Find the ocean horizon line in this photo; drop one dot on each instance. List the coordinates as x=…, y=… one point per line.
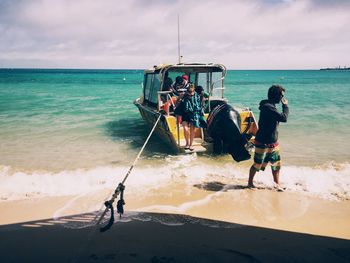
x=142, y=69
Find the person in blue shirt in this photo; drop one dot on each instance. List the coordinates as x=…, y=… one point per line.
x=192, y=115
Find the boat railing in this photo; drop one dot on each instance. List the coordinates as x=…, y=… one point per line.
x=220, y=88
x=165, y=100
x=165, y=106
x=212, y=95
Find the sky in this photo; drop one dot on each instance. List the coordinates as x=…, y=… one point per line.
x=241, y=34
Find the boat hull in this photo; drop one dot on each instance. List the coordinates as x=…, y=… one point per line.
x=159, y=94
x=171, y=132
x=163, y=129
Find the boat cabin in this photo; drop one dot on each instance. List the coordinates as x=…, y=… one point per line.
x=157, y=81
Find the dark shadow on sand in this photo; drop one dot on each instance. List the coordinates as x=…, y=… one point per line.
x=218, y=186
x=211, y=186
x=151, y=237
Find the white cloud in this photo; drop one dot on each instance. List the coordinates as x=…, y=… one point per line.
x=253, y=34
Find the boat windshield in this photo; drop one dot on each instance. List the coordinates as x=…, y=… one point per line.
x=212, y=82
x=158, y=83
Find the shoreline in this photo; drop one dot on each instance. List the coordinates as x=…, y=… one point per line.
x=286, y=211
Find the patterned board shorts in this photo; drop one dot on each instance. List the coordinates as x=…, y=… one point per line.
x=267, y=153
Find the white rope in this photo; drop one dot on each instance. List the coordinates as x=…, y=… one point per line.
x=128, y=173
x=143, y=147
x=93, y=231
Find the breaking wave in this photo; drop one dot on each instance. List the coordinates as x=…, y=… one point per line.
x=330, y=181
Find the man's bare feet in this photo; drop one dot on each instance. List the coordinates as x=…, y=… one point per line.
x=251, y=186
x=278, y=188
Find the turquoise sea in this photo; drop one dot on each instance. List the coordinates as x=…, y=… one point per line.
x=68, y=131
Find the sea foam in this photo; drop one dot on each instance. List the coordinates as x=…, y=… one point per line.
x=330, y=181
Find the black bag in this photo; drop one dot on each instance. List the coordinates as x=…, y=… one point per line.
x=179, y=110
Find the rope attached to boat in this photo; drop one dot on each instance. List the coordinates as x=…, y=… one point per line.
x=120, y=189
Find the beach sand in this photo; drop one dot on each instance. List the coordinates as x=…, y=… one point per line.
x=211, y=222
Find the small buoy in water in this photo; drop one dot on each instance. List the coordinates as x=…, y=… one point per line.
x=124, y=79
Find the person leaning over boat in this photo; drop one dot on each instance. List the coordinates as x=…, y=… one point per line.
x=177, y=90
x=192, y=116
x=266, y=140
x=180, y=83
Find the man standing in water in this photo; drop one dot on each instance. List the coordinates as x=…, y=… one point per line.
x=266, y=140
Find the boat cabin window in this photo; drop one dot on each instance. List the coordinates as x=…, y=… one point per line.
x=206, y=79
x=152, y=86
x=203, y=80
x=218, y=85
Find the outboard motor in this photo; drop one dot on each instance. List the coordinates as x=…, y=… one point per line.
x=224, y=124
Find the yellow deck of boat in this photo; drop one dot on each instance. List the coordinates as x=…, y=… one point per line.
x=178, y=133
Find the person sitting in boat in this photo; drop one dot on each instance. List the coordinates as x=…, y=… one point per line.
x=167, y=82
x=192, y=116
x=168, y=99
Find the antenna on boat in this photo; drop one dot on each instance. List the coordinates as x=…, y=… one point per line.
x=178, y=38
